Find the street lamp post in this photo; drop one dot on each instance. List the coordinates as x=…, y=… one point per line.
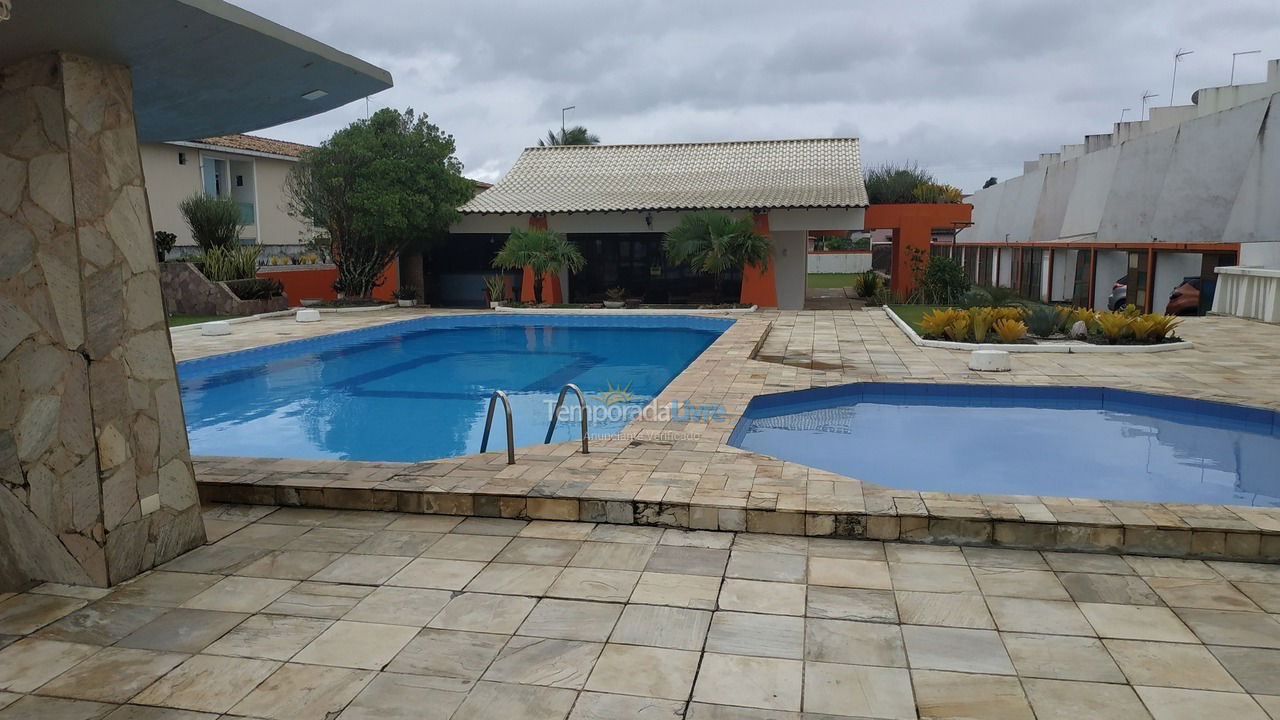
x=1177, y=57
x=1235, y=55
x=563, y=110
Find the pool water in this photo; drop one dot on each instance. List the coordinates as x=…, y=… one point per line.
x=1073, y=442
x=418, y=390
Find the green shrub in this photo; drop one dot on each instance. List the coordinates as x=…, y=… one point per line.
x=164, y=243
x=214, y=221
x=867, y=284
x=944, y=281
x=976, y=298
x=229, y=262
x=255, y=288
x=1044, y=320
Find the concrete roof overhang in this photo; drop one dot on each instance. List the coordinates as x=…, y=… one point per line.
x=200, y=67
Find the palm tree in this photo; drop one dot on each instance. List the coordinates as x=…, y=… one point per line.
x=712, y=242
x=544, y=251
x=576, y=135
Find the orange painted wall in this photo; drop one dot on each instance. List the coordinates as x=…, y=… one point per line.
x=318, y=282
x=912, y=225
x=759, y=287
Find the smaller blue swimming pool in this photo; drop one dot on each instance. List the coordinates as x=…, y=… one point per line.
x=1048, y=441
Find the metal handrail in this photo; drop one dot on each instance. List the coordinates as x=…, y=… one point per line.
x=555, y=414
x=488, y=423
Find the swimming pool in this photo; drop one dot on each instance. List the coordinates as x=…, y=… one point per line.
x=1047, y=441
x=418, y=390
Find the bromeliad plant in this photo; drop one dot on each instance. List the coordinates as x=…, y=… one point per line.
x=1010, y=331
x=958, y=330
x=1114, y=325
x=980, y=319
x=936, y=321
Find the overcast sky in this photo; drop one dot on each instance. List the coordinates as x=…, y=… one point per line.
x=967, y=89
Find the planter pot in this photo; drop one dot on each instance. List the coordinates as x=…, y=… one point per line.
x=406, y=303
x=495, y=305
x=614, y=304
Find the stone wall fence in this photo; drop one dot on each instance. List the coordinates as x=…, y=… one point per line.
x=188, y=292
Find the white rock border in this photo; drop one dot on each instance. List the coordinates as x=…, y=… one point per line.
x=624, y=311
x=1062, y=347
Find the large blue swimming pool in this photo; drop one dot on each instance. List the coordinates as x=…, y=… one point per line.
x=418, y=390
x=1047, y=441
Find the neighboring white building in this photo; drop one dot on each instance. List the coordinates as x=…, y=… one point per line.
x=1191, y=189
x=250, y=169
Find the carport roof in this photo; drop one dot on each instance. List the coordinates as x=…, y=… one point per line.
x=739, y=175
x=200, y=68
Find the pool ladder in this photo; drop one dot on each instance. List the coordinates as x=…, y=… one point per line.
x=506, y=409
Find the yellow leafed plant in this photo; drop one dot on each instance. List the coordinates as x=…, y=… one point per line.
x=1114, y=325
x=1010, y=330
x=1161, y=326
x=1008, y=313
x=958, y=330
x=935, y=322
x=1084, y=315
x=980, y=320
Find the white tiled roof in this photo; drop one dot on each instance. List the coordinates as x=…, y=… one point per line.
x=757, y=174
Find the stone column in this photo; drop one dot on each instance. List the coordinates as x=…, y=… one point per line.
x=95, y=473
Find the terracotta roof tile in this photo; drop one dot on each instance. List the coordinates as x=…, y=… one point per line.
x=256, y=144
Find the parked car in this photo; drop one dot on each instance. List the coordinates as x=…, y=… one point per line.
x=1185, y=299
x=1119, y=294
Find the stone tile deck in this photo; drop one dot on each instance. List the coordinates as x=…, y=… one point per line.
x=681, y=474
x=313, y=614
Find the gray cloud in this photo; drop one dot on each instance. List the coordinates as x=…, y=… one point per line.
x=967, y=89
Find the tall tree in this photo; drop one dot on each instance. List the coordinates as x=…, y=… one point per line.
x=712, y=242
x=576, y=135
x=374, y=188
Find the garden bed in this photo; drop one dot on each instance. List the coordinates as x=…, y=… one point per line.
x=1062, y=345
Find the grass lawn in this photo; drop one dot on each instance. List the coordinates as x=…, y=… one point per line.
x=177, y=320
x=830, y=280
x=911, y=314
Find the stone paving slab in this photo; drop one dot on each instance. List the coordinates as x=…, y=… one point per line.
x=770, y=626
x=682, y=474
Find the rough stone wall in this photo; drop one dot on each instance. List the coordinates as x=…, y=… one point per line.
x=188, y=292
x=95, y=473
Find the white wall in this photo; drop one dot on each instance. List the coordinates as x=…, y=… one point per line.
x=1063, y=275
x=1212, y=178
x=790, y=248
x=1005, y=273
x=168, y=183
x=839, y=262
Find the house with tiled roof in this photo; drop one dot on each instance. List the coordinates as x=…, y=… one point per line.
x=616, y=202
x=248, y=168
